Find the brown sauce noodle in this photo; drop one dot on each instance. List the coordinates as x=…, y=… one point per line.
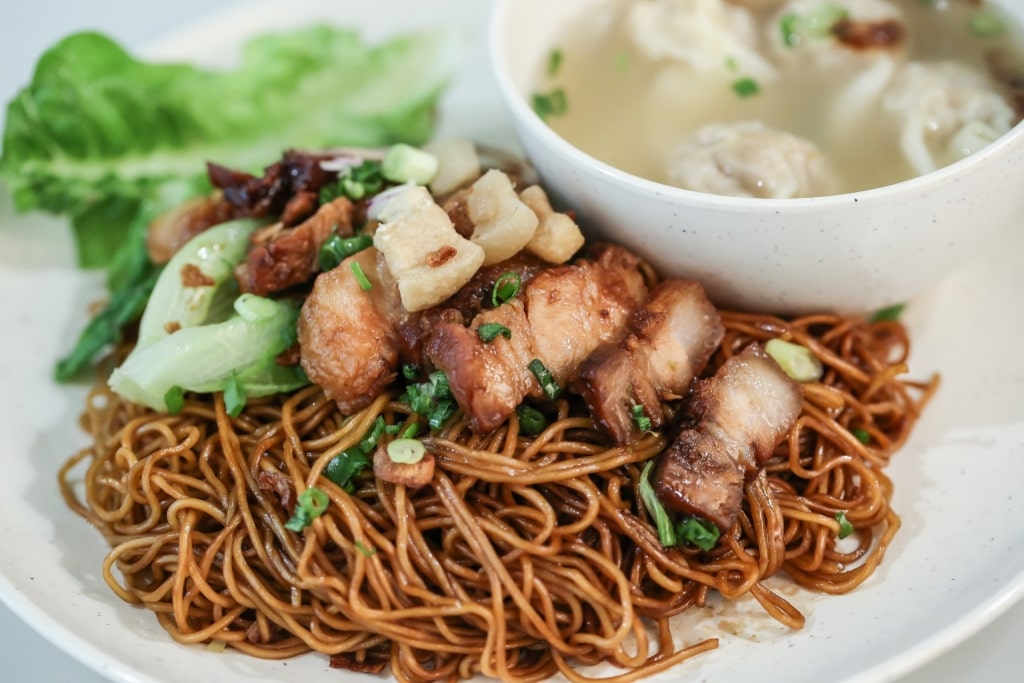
x=525, y=557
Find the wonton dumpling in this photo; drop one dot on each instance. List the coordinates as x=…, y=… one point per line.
x=748, y=159
x=709, y=36
x=804, y=30
x=946, y=111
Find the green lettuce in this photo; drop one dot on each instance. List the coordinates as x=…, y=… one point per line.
x=110, y=141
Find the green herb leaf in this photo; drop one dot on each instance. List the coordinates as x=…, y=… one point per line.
x=337, y=248
x=745, y=87
x=887, y=314
x=311, y=504
x=506, y=288
x=545, y=379
x=488, y=332
x=364, y=282
x=698, y=532
x=550, y=104
x=845, y=528
x=662, y=521
x=531, y=420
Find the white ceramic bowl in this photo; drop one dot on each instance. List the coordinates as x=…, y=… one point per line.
x=850, y=252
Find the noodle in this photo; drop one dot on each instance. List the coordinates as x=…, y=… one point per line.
x=525, y=556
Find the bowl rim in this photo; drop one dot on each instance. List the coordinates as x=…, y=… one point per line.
x=497, y=40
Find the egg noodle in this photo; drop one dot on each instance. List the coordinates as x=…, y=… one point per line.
x=525, y=557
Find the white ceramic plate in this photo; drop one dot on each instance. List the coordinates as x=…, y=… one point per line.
x=956, y=564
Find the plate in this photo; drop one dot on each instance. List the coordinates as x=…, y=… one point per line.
x=955, y=565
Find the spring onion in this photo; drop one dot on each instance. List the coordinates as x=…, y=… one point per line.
x=406, y=164
x=337, y=248
x=364, y=180
x=640, y=419
x=861, y=435
x=488, y=332
x=662, y=522
x=406, y=451
x=887, y=314
x=745, y=87
x=234, y=396
x=531, y=420
x=175, y=400
x=311, y=504
x=506, y=288
x=364, y=282
x=845, y=528
x=545, y=379
x=550, y=104
x=431, y=399
x=698, y=532
x=797, y=361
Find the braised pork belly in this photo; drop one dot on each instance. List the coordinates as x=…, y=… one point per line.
x=740, y=415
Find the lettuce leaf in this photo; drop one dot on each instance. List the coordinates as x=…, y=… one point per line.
x=111, y=142
x=96, y=132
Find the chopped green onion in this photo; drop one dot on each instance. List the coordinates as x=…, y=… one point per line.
x=506, y=288
x=745, y=87
x=431, y=399
x=815, y=24
x=488, y=332
x=364, y=551
x=796, y=361
x=862, y=435
x=545, y=379
x=234, y=396
x=662, y=522
x=531, y=420
x=845, y=528
x=406, y=164
x=352, y=461
x=410, y=372
x=411, y=431
x=698, y=532
x=174, y=399
x=406, y=451
x=355, y=183
x=640, y=419
x=986, y=25
x=550, y=104
x=555, y=58
x=887, y=314
x=337, y=248
x=311, y=504
x=364, y=282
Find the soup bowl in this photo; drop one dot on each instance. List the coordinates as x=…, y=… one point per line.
x=848, y=253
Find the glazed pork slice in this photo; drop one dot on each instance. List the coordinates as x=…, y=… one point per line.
x=741, y=414
x=283, y=257
x=566, y=313
x=347, y=335
x=669, y=343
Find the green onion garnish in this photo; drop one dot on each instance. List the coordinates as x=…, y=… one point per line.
x=986, y=25
x=174, y=399
x=364, y=551
x=745, y=87
x=431, y=399
x=862, y=435
x=337, y=248
x=357, y=182
x=545, y=379
x=531, y=420
x=488, y=332
x=550, y=104
x=410, y=372
x=311, y=504
x=506, y=288
x=364, y=282
x=662, y=522
x=698, y=532
x=555, y=58
x=234, y=396
x=797, y=361
x=640, y=419
x=406, y=451
x=887, y=314
x=845, y=528
x=352, y=461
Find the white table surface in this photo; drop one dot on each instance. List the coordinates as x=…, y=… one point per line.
x=26, y=28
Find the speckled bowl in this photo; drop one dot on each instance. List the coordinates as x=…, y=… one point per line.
x=850, y=252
